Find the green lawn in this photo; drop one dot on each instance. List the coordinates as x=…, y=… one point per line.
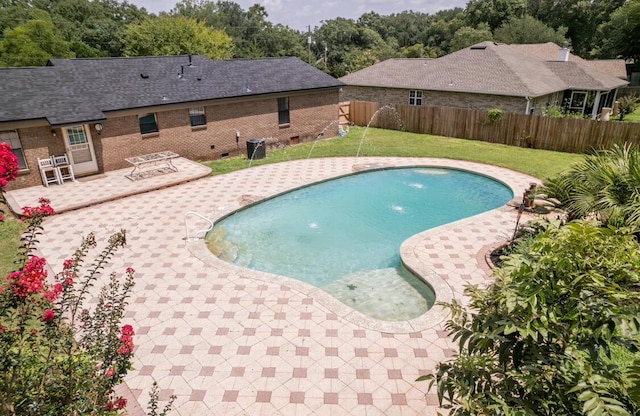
x=10, y=231
x=377, y=142
x=630, y=118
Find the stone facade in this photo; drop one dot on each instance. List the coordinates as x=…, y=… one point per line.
x=441, y=99
x=310, y=113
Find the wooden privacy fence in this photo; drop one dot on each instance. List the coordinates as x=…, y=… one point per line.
x=534, y=131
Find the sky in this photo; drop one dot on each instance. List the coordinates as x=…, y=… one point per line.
x=298, y=14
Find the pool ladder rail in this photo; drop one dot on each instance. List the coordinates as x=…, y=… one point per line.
x=201, y=233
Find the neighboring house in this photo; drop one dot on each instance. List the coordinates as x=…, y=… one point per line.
x=485, y=76
x=551, y=52
x=102, y=110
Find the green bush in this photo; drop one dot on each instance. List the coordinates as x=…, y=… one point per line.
x=627, y=105
x=537, y=340
x=494, y=116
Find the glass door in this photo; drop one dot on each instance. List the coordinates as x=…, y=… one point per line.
x=80, y=149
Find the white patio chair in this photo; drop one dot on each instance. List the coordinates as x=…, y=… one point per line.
x=65, y=170
x=48, y=171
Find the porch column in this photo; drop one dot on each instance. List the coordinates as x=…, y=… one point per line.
x=596, y=104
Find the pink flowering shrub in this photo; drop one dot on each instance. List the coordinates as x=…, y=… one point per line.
x=60, y=357
x=8, y=172
x=57, y=355
x=8, y=166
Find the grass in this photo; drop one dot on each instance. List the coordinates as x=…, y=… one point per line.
x=10, y=231
x=630, y=118
x=542, y=164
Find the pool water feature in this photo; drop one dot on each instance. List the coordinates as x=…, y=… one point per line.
x=343, y=235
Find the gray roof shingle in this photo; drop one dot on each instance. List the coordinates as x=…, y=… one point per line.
x=82, y=90
x=485, y=68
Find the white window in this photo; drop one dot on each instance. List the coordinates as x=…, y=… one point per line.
x=11, y=137
x=415, y=97
x=197, y=116
x=578, y=101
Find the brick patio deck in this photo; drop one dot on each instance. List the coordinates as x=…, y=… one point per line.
x=231, y=341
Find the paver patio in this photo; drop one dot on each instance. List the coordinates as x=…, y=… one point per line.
x=230, y=341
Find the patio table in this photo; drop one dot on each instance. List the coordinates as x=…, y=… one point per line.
x=151, y=164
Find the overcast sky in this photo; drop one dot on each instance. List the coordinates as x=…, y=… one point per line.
x=298, y=14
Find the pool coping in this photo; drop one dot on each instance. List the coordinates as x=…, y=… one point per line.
x=443, y=291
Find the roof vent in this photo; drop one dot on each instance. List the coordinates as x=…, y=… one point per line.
x=478, y=47
x=190, y=63
x=144, y=75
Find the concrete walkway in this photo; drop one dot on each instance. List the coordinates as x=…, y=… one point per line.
x=230, y=341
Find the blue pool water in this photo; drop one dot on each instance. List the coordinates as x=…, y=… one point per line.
x=344, y=235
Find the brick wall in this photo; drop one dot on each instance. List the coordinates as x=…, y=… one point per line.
x=37, y=142
x=435, y=98
x=120, y=138
x=309, y=115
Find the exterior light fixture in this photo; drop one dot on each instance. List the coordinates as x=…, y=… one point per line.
x=98, y=127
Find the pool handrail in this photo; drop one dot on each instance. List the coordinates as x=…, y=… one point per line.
x=200, y=233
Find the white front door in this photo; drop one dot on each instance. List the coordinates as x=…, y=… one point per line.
x=77, y=140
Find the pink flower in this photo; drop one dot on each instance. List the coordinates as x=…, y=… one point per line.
x=124, y=350
x=54, y=293
x=127, y=330
x=130, y=270
x=1, y=218
x=8, y=165
x=110, y=372
x=48, y=315
x=30, y=280
x=44, y=210
x=122, y=403
x=69, y=264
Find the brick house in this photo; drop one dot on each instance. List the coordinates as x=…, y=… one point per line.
x=513, y=78
x=102, y=110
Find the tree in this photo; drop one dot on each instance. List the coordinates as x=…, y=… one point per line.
x=168, y=35
x=528, y=29
x=620, y=34
x=580, y=17
x=33, y=43
x=495, y=13
x=439, y=34
x=467, y=36
x=539, y=339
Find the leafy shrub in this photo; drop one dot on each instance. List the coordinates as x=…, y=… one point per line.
x=627, y=105
x=60, y=357
x=494, y=116
x=605, y=186
x=537, y=339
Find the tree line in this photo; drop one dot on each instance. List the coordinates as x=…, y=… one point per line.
x=32, y=31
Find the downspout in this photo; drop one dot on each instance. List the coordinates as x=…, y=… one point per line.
x=526, y=111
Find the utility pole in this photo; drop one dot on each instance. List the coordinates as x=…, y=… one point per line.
x=309, y=42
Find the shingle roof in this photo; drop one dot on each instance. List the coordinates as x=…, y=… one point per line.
x=549, y=52
x=485, y=68
x=81, y=90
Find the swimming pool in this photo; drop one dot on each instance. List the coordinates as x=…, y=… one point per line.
x=343, y=235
